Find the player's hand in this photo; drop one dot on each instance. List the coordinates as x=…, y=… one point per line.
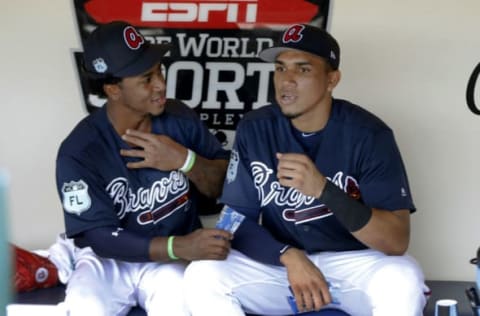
x=299, y=172
x=306, y=281
x=207, y=243
x=158, y=151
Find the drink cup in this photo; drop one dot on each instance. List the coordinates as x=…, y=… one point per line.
x=446, y=307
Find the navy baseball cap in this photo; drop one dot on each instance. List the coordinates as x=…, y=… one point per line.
x=118, y=49
x=306, y=38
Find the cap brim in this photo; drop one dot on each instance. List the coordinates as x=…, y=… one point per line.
x=270, y=54
x=152, y=55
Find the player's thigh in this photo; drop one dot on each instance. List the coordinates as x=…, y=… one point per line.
x=99, y=287
x=234, y=270
x=397, y=279
x=253, y=285
x=360, y=267
x=160, y=288
x=383, y=279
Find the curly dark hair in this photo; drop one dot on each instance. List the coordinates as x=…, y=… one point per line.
x=96, y=85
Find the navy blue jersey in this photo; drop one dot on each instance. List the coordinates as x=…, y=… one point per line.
x=97, y=189
x=355, y=150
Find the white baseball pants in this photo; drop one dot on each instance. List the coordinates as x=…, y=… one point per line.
x=373, y=284
x=101, y=287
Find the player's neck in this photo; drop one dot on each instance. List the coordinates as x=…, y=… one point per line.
x=315, y=119
x=122, y=121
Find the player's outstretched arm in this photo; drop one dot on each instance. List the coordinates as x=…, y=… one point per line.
x=121, y=244
x=208, y=243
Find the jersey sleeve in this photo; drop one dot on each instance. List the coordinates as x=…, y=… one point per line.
x=240, y=193
x=86, y=205
x=258, y=243
x=239, y=187
x=384, y=182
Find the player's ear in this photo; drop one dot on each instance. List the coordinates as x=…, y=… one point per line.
x=112, y=90
x=334, y=77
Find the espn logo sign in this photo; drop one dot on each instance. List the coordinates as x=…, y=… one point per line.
x=242, y=11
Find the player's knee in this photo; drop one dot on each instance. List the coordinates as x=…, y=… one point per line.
x=89, y=302
x=204, y=282
x=174, y=277
x=173, y=303
x=197, y=274
x=397, y=279
x=203, y=275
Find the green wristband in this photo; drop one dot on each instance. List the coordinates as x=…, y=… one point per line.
x=189, y=161
x=171, y=255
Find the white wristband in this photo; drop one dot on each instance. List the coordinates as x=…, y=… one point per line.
x=189, y=162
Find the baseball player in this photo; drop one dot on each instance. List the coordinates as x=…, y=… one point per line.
x=128, y=176
x=326, y=201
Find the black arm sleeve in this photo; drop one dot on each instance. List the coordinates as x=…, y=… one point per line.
x=116, y=243
x=257, y=243
x=351, y=213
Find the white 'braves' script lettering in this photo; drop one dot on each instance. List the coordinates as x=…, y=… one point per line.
x=280, y=195
x=277, y=193
x=145, y=198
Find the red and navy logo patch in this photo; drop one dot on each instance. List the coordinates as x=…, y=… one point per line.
x=293, y=34
x=133, y=39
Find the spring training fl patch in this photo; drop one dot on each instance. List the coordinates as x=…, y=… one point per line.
x=75, y=197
